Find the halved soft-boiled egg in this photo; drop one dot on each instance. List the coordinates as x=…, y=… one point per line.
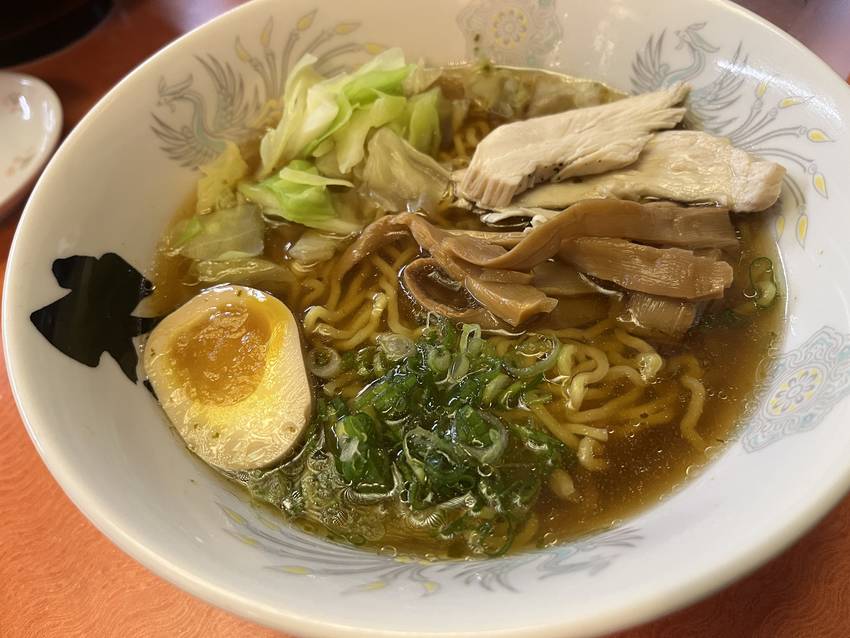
x=228, y=370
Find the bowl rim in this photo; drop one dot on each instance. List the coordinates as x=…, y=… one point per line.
x=640, y=607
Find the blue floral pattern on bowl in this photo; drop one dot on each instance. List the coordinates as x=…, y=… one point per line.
x=294, y=553
x=519, y=32
x=800, y=388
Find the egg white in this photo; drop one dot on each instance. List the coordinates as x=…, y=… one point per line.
x=261, y=428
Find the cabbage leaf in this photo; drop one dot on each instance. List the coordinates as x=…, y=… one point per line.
x=216, y=188
x=313, y=247
x=231, y=233
x=315, y=108
x=291, y=134
x=521, y=93
x=385, y=73
x=351, y=139
x=398, y=177
x=299, y=194
x=423, y=122
x=421, y=79
x=249, y=271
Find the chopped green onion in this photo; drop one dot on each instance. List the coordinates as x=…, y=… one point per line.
x=534, y=397
x=324, y=362
x=460, y=366
x=494, y=387
x=541, y=349
x=439, y=360
x=469, y=331
x=763, y=282
x=395, y=347
x=767, y=293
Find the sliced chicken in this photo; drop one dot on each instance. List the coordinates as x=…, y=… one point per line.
x=684, y=166
x=667, y=272
x=588, y=141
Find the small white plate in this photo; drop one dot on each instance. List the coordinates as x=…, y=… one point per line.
x=30, y=125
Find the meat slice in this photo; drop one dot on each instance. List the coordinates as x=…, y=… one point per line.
x=667, y=272
x=683, y=166
x=588, y=141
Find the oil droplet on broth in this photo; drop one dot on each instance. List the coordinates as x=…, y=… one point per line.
x=388, y=550
x=712, y=451
x=694, y=469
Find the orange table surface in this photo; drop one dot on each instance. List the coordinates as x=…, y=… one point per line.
x=59, y=576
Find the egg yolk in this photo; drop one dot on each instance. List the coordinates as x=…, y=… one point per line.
x=221, y=361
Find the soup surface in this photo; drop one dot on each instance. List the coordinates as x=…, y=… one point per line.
x=435, y=434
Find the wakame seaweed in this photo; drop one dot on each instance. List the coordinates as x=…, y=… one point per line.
x=429, y=436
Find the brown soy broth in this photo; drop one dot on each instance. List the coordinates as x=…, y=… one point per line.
x=171, y=273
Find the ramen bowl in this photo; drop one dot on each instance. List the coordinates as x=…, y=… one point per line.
x=110, y=190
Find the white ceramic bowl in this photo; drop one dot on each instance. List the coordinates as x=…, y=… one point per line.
x=123, y=171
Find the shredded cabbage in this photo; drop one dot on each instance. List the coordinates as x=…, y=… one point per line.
x=313, y=247
x=316, y=108
x=292, y=133
x=423, y=122
x=398, y=177
x=232, y=233
x=351, y=139
x=216, y=187
x=299, y=194
x=249, y=271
